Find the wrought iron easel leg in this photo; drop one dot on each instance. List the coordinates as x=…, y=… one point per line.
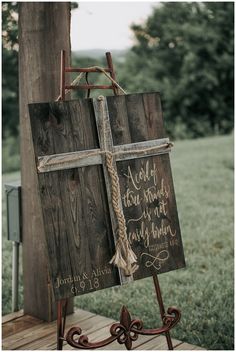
x=162, y=309
x=61, y=322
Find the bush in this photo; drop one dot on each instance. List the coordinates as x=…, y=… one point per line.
x=10, y=154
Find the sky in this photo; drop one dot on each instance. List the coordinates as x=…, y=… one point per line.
x=105, y=25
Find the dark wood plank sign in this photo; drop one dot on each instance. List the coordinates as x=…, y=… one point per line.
x=72, y=141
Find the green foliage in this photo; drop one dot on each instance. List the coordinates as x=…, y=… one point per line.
x=203, y=175
x=10, y=153
x=10, y=111
x=92, y=78
x=185, y=51
x=10, y=25
x=74, y=5
x=10, y=84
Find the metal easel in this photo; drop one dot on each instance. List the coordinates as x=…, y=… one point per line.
x=127, y=330
x=63, y=87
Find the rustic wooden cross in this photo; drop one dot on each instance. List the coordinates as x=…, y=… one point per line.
x=97, y=156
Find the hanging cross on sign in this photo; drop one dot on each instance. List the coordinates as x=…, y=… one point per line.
x=107, y=155
x=106, y=191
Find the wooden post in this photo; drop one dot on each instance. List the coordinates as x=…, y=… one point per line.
x=44, y=30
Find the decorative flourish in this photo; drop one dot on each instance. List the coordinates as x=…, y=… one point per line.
x=156, y=261
x=125, y=332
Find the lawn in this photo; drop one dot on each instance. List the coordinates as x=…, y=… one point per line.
x=203, y=177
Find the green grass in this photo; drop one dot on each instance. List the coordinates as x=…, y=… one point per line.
x=203, y=177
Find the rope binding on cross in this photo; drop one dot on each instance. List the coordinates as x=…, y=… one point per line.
x=124, y=256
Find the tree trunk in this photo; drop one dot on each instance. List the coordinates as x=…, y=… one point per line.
x=44, y=30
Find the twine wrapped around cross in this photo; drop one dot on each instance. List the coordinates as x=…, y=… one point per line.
x=124, y=256
x=107, y=155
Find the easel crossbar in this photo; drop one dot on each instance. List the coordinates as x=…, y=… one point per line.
x=88, y=86
x=81, y=69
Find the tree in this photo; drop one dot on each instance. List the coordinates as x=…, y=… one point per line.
x=10, y=110
x=10, y=84
x=185, y=50
x=44, y=30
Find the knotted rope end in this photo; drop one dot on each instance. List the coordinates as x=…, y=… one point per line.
x=125, y=258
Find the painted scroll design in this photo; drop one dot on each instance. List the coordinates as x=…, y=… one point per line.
x=156, y=261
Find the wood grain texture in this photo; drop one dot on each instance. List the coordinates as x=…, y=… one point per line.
x=32, y=337
x=12, y=316
x=42, y=335
x=79, y=220
x=146, y=186
x=77, y=159
x=40, y=44
x=75, y=210
x=106, y=144
x=68, y=160
x=17, y=325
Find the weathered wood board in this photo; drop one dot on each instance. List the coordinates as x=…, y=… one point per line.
x=146, y=185
x=74, y=199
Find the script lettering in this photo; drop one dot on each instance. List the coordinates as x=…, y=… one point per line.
x=84, y=282
x=147, y=194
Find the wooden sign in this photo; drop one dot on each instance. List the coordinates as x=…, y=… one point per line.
x=72, y=142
